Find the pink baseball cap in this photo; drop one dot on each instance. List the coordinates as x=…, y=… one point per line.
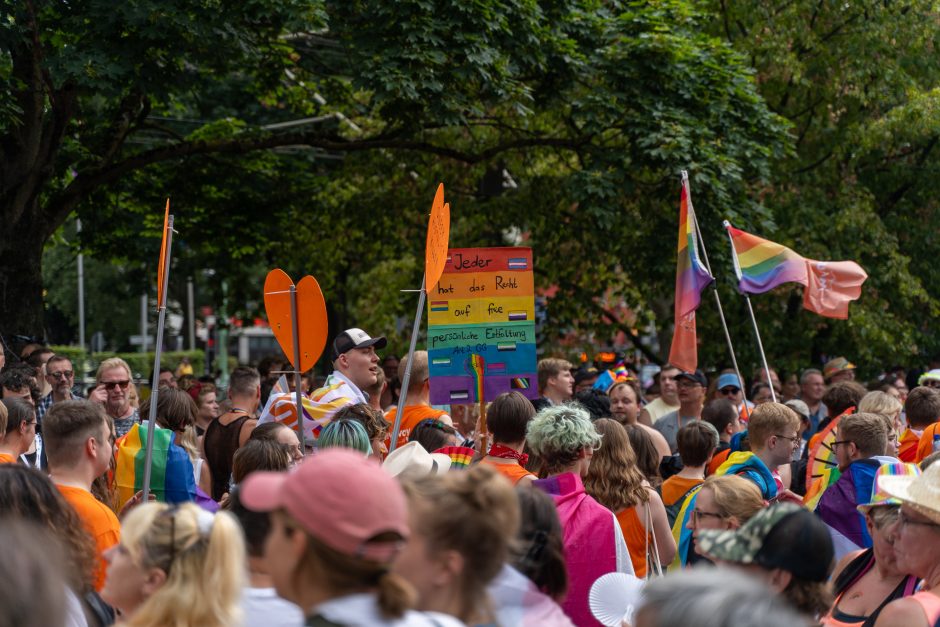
x=340, y=497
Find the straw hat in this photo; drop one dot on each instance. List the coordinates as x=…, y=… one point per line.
x=921, y=493
x=878, y=494
x=411, y=461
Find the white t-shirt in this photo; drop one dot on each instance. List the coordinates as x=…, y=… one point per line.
x=263, y=608
x=362, y=610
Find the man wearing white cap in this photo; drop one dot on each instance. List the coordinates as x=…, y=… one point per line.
x=356, y=366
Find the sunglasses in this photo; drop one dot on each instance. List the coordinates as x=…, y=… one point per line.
x=110, y=385
x=65, y=374
x=729, y=391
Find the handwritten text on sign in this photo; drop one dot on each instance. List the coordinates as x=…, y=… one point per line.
x=483, y=304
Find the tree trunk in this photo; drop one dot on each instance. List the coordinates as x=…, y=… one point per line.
x=21, y=302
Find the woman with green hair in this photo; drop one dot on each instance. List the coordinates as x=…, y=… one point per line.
x=564, y=439
x=346, y=433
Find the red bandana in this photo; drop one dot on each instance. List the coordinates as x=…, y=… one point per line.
x=504, y=452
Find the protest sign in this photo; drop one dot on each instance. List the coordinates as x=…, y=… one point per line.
x=484, y=304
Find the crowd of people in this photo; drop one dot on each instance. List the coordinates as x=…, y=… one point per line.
x=810, y=500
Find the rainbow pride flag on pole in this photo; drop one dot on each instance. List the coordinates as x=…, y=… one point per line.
x=691, y=279
x=761, y=265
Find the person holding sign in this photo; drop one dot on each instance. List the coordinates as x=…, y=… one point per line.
x=419, y=391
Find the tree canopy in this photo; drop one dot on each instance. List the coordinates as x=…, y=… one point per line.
x=310, y=135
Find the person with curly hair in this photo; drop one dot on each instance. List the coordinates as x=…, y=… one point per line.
x=565, y=440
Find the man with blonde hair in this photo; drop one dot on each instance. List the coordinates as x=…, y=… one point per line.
x=114, y=380
x=556, y=383
x=861, y=439
x=419, y=394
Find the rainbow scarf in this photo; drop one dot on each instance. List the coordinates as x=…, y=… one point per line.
x=171, y=473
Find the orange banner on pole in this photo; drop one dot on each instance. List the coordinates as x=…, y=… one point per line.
x=161, y=271
x=312, y=324
x=435, y=250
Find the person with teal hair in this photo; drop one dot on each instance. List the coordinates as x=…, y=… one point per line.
x=346, y=433
x=564, y=439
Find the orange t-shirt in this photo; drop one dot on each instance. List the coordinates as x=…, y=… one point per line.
x=6, y=458
x=410, y=418
x=929, y=442
x=675, y=487
x=907, y=446
x=514, y=472
x=100, y=522
x=636, y=536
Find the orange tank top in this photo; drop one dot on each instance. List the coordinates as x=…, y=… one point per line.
x=513, y=472
x=637, y=538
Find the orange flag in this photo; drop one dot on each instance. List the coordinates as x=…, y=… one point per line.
x=161, y=271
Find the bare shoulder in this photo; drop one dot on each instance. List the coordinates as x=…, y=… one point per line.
x=902, y=613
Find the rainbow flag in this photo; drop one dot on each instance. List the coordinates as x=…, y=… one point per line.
x=460, y=456
x=171, y=473
x=691, y=279
x=761, y=265
x=475, y=367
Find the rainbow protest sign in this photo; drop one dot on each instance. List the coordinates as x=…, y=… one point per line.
x=484, y=304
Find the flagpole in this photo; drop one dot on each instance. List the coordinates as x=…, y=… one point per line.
x=158, y=349
x=406, y=381
x=750, y=309
x=295, y=338
x=721, y=312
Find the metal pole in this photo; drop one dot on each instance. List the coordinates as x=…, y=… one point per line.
x=155, y=383
x=222, y=338
x=407, y=379
x=295, y=338
x=191, y=313
x=143, y=323
x=721, y=311
x=81, y=293
x=750, y=309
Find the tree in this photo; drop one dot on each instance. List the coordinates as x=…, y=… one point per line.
x=594, y=108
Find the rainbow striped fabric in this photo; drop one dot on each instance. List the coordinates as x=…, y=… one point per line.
x=319, y=407
x=691, y=278
x=475, y=367
x=460, y=456
x=171, y=474
x=762, y=265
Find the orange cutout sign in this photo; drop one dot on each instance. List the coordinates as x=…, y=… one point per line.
x=161, y=271
x=311, y=314
x=435, y=250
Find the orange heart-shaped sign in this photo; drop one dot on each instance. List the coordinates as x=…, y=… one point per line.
x=311, y=313
x=435, y=249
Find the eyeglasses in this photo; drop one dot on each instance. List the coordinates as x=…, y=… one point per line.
x=838, y=442
x=792, y=438
x=932, y=383
x=685, y=383
x=903, y=520
x=697, y=514
x=110, y=385
x=65, y=374
x=729, y=391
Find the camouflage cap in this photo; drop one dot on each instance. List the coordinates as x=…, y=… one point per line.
x=783, y=536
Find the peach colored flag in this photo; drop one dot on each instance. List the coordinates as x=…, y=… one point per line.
x=831, y=286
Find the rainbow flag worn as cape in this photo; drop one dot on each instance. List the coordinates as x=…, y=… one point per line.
x=319, y=407
x=761, y=265
x=171, y=474
x=837, y=507
x=691, y=279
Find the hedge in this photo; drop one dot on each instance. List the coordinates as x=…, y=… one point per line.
x=140, y=363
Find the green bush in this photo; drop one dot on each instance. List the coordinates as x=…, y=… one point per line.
x=141, y=363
